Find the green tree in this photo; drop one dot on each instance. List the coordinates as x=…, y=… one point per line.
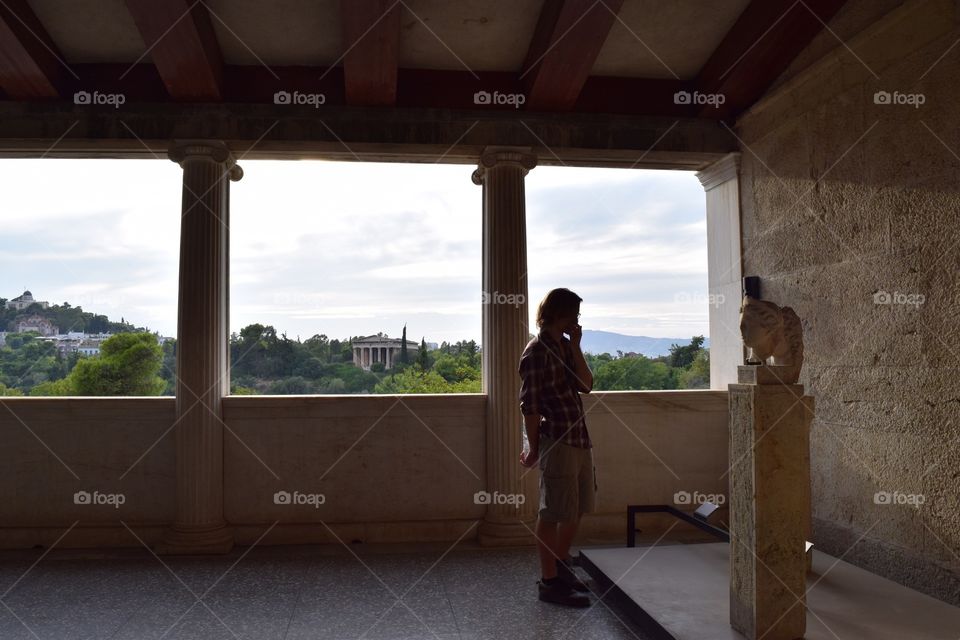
x=26, y=361
x=319, y=347
x=698, y=375
x=294, y=385
x=242, y=391
x=597, y=361
x=635, y=372
x=354, y=379
x=413, y=380
x=423, y=359
x=168, y=370
x=682, y=357
x=456, y=368
x=341, y=351
x=7, y=391
x=332, y=385
x=127, y=365
x=62, y=387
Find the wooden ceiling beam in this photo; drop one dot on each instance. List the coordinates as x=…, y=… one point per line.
x=563, y=50
x=765, y=39
x=181, y=42
x=31, y=67
x=371, y=41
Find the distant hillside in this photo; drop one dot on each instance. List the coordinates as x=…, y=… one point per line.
x=66, y=318
x=597, y=342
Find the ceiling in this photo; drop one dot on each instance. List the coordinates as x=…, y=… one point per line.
x=617, y=56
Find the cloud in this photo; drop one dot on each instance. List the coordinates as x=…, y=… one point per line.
x=355, y=248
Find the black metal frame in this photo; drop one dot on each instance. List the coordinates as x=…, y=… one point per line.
x=634, y=509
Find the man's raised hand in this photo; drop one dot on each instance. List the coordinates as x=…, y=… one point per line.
x=528, y=458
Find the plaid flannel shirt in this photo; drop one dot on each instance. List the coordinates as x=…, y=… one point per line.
x=549, y=387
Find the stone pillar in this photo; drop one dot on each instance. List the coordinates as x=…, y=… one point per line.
x=203, y=356
x=769, y=504
x=501, y=172
x=724, y=269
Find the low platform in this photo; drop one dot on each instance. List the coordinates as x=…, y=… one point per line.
x=681, y=592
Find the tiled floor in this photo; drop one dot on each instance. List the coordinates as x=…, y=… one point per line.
x=290, y=592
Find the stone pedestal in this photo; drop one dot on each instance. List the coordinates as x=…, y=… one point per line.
x=202, y=349
x=769, y=504
x=501, y=172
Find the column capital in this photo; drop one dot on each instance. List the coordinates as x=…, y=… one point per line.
x=213, y=150
x=520, y=157
x=724, y=169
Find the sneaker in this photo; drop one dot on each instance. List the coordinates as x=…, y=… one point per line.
x=569, y=577
x=561, y=593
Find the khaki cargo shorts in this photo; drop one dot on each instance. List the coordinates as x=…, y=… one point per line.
x=568, y=481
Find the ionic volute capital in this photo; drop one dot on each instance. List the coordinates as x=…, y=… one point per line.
x=183, y=151
x=520, y=157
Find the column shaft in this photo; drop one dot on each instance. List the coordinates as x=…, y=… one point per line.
x=202, y=349
x=505, y=319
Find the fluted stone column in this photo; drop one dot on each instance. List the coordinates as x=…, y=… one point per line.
x=202, y=348
x=501, y=172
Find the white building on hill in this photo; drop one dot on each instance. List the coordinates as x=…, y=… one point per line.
x=25, y=300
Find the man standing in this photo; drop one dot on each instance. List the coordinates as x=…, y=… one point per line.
x=553, y=373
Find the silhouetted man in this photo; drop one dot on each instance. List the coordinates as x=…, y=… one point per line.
x=553, y=372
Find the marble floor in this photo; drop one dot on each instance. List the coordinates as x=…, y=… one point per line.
x=291, y=592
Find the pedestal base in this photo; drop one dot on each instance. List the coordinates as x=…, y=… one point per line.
x=768, y=374
x=180, y=540
x=769, y=504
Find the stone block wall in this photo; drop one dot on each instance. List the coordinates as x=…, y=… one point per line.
x=850, y=214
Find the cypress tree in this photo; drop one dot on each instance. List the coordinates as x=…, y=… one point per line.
x=422, y=358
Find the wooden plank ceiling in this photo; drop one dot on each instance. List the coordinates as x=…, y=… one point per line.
x=183, y=62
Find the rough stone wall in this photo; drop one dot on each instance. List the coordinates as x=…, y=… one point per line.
x=850, y=214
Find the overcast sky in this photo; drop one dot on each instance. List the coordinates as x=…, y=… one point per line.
x=356, y=248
